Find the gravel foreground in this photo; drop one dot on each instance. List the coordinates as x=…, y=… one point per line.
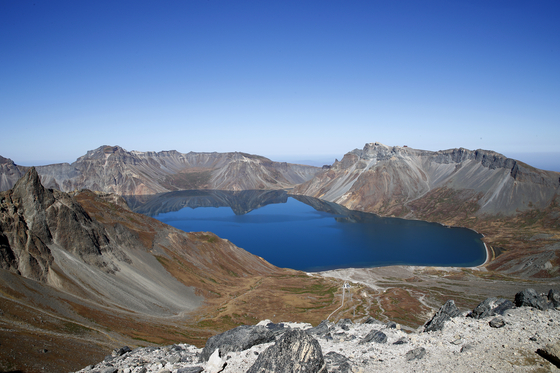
x=506, y=343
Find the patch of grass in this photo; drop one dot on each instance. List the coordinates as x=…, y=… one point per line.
x=225, y=322
x=318, y=289
x=75, y=328
x=141, y=339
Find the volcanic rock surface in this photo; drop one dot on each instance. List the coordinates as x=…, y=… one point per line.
x=523, y=339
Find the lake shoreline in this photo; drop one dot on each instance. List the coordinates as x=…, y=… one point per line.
x=488, y=255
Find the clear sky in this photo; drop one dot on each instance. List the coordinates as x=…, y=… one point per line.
x=290, y=80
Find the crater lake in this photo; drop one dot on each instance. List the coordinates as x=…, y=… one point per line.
x=309, y=234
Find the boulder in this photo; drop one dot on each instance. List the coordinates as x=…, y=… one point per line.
x=374, y=336
x=320, y=330
x=338, y=363
x=551, y=352
x=415, y=354
x=238, y=339
x=295, y=352
x=371, y=320
x=121, y=351
x=530, y=298
x=554, y=297
x=447, y=311
x=497, y=322
x=345, y=324
x=491, y=307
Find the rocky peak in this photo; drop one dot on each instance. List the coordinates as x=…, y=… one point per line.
x=102, y=152
x=29, y=188
x=7, y=161
x=32, y=199
x=24, y=229
x=32, y=218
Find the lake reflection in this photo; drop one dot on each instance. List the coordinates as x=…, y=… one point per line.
x=310, y=234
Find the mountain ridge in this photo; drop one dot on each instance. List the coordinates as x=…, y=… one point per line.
x=380, y=179
x=113, y=169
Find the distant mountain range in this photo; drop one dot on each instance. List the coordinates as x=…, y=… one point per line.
x=113, y=169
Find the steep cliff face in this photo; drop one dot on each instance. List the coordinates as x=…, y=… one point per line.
x=114, y=170
x=395, y=180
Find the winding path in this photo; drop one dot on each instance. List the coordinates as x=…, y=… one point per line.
x=343, y=292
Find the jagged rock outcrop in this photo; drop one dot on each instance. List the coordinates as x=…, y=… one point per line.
x=376, y=336
x=113, y=169
x=446, y=312
x=33, y=219
x=554, y=298
x=530, y=298
x=400, y=181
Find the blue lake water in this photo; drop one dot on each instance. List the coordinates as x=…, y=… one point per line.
x=313, y=235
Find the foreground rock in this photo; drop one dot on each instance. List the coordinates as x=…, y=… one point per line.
x=238, y=339
x=490, y=307
x=295, y=352
x=522, y=339
x=446, y=312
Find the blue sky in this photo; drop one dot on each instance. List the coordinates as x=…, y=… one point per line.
x=291, y=80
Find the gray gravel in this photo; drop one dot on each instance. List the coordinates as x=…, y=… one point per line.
x=463, y=345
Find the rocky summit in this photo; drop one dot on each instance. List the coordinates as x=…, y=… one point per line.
x=498, y=335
